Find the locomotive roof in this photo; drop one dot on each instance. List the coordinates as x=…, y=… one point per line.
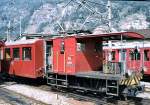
x=104, y=36
x=113, y=36
x=107, y=36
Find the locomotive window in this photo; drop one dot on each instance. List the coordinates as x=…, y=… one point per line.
x=62, y=48
x=138, y=56
x=7, y=53
x=16, y=54
x=135, y=55
x=98, y=47
x=132, y=55
x=146, y=57
x=80, y=46
x=113, y=55
x=26, y=53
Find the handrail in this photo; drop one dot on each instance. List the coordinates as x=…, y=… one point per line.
x=112, y=67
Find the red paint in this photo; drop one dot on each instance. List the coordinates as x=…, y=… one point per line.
x=75, y=61
x=26, y=68
x=89, y=59
x=69, y=61
x=133, y=65
x=64, y=62
x=130, y=35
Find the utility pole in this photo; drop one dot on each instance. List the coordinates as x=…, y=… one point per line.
x=20, y=27
x=8, y=32
x=109, y=14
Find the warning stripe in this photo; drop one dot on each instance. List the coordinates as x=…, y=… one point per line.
x=136, y=80
x=139, y=77
x=126, y=81
x=132, y=80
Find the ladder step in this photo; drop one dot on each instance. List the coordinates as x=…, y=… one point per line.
x=112, y=94
x=50, y=78
x=112, y=86
x=62, y=85
x=57, y=79
x=58, y=82
x=61, y=80
x=57, y=85
x=51, y=84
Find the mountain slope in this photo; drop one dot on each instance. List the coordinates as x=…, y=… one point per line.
x=46, y=16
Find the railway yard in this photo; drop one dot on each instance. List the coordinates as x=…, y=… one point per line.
x=26, y=93
x=8, y=97
x=78, y=74
x=74, y=64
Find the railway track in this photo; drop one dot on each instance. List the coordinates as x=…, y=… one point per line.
x=8, y=97
x=97, y=99
x=101, y=99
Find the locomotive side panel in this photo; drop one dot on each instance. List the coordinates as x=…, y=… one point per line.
x=88, y=55
x=70, y=55
x=64, y=55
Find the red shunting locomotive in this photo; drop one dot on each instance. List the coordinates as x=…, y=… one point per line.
x=73, y=61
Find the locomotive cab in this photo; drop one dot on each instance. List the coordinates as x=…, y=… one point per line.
x=78, y=63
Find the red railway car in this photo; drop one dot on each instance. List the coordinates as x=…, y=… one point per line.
x=24, y=58
x=136, y=54
x=74, y=61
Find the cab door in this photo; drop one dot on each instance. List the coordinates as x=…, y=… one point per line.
x=58, y=55
x=49, y=56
